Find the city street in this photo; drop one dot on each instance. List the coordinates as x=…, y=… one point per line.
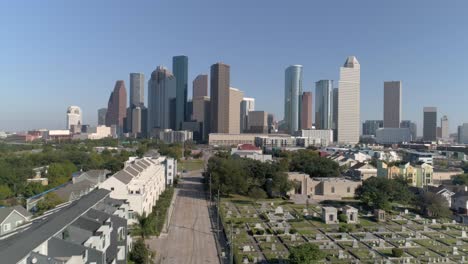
x=190, y=238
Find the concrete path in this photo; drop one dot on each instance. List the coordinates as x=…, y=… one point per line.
x=190, y=238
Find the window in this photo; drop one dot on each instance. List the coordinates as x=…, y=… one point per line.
x=348, y=189
x=18, y=223
x=6, y=227
x=112, y=188
x=332, y=189
x=331, y=218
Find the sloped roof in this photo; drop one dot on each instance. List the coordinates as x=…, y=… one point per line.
x=123, y=176
x=247, y=147
x=65, y=191
x=6, y=211
x=131, y=171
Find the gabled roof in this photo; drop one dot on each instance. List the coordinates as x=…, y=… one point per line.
x=123, y=176
x=65, y=191
x=6, y=211
x=130, y=170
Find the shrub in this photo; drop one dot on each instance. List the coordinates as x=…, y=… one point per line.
x=292, y=231
x=397, y=252
x=343, y=218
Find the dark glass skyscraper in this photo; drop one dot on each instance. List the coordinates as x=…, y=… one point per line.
x=180, y=71
x=430, y=124
x=117, y=106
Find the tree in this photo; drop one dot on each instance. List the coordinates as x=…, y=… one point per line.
x=49, y=201
x=380, y=192
x=257, y=193
x=433, y=205
x=305, y=254
x=308, y=161
x=461, y=179
x=397, y=252
x=139, y=253
x=5, y=192
x=343, y=218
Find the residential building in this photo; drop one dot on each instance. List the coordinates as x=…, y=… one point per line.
x=392, y=104
x=200, y=86
x=102, y=116
x=323, y=137
x=324, y=104
x=257, y=122
x=430, y=124
x=349, y=105
x=180, y=71
x=334, y=188
x=140, y=183
x=335, y=114
x=362, y=171
x=459, y=202
x=417, y=175
x=251, y=152
x=234, y=121
x=81, y=232
x=306, y=110
x=417, y=156
x=391, y=135
x=169, y=136
x=201, y=114
x=161, y=100
x=74, y=116
x=12, y=218
x=247, y=105
x=219, y=86
x=444, y=125
x=292, y=98
x=463, y=133
x=412, y=127
x=369, y=127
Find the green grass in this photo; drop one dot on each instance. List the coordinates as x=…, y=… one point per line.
x=190, y=165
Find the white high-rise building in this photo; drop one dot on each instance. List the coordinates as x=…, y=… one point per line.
x=74, y=116
x=247, y=105
x=349, y=102
x=444, y=125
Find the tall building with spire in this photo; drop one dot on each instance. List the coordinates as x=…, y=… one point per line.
x=292, y=98
x=180, y=72
x=349, y=105
x=324, y=104
x=161, y=100
x=117, y=106
x=392, y=104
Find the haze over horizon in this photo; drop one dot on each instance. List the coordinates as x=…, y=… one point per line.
x=71, y=53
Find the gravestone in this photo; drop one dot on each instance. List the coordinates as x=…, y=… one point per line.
x=258, y=226
x=343, y=236
x=406, y=211
x=245, y=261
x=355, y=244
x=246, y=248
x=381, y=243
x=273, y=247
x=403, y=228
x=417, y=217
x=463, y=234
x=455, y=251
x=315, y=214
x=341, y=254
x=293, y=237
x=459, y=242
x=407, y=243
x=318, y=237
x=279, y=210
x=434, y=221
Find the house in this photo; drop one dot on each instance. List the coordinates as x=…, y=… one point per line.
x=12, y=217
x=39, y=174
x=140, y=183
x=417, y=175
x=362, y=171
x=460, y=202
x=75, y=233
x=333, y=188
x=443, y=191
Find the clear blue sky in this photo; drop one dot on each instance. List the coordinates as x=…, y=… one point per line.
x=59, y=53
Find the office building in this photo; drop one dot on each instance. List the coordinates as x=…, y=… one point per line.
x=257, y=122
x=271, y=123
x=324, y=104
x=219, y=86
x=391, y=135
x=292, y=98
x=117, y=106
x=392, y=104
x=235, y=99
x=169, y=136
x=306, y=110
x=200, y=85
x=161, y=100
x=444, y=126
x=102, y=116
x=370, y=126
x=335, y=114
x=180, y=71
x=137, y=89
x=349, y=107
x=412, y=127
x=317, y=137
x=247, y=105
x=74, y=117
x=136, y=121
x=430, y=124
x=463, y=134
x=201, y=113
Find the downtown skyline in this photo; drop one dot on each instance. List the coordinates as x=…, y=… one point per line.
x=435, y=69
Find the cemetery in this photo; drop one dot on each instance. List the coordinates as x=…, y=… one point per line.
x=265, y=230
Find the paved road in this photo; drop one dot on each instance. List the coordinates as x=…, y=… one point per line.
x=190, y=238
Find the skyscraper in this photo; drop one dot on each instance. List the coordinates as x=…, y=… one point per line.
x=117, y=106
x=335, y=114
x=235, y=98
x=412, y=127
x=200, y=85
x=102, y=116
x=324, y=104
x=201, y=113
x=219, y=86
x=180, y=71
x=74, y=116
x=136, y=120
x=462, y=136
x=247, y=105
x=306, y=110
x=349, y=102
x=161, y=100
x=258, y=122
x=137, y=89
x=430, y=124
x=369, y=127
x=444, y=124
x=392, y=104
x=292, y=97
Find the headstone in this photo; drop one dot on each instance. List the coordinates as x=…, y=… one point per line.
x=355, y=244
x=434, y=221
x=459, y=242
x=455, y=251
x=273, y=247
x=454, y=222
x=315, y=214
x=246, y=248
x=293, y=237
x=279, y=210
x=463, y=234
x=407, y=243
x=229, y=212
x=406, y=211
x=343, y=236
x=255, y=215
x=447, y=228
x=258, y=226
x=463, y=258
x=381, y=243
x=417, y=217
x=305, y=211
x=341, y=254
x=426, y=229
x=372, y=254
x=318, y=237
x=403, y=228
x=245, y=261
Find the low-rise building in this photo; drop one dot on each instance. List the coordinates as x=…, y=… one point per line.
x=417, y=175
x=224, y=139
x=392, y=135
x=317, y=137
x=54, y=135
x=12, y=218
x=170, y=136
x=362, y=171
x=94, y=133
